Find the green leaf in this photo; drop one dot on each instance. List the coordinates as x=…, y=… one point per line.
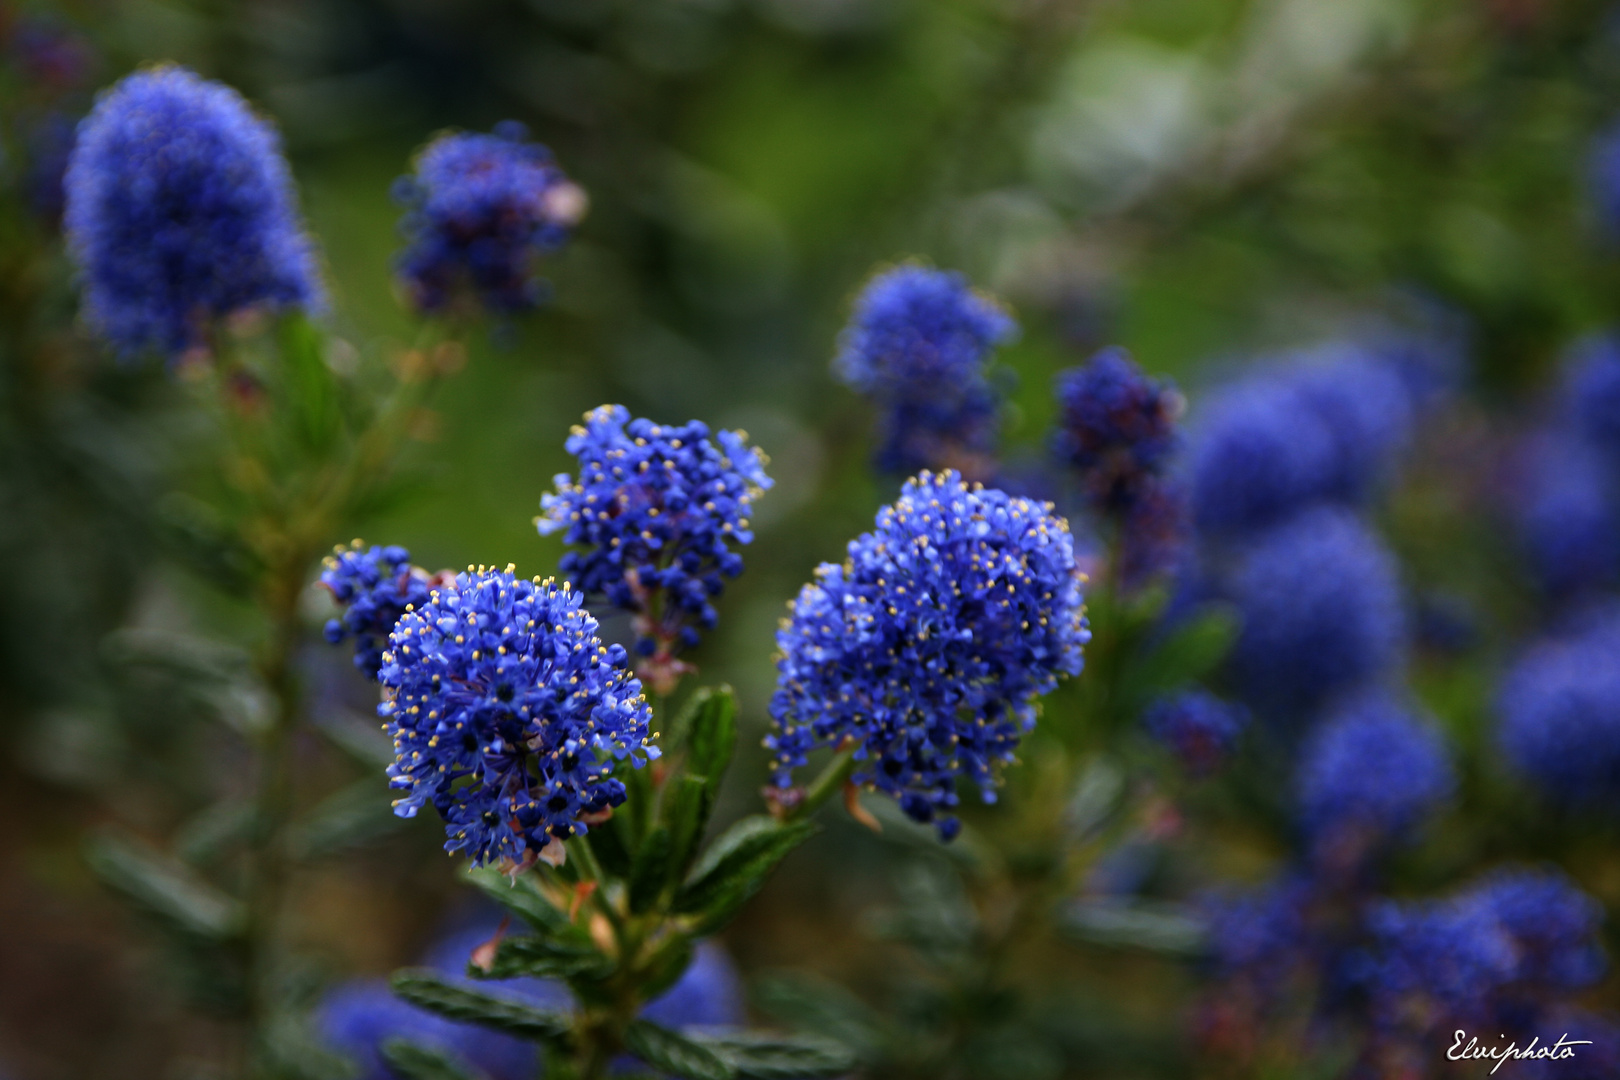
x=675, y=1054
x=427, y=989
x=763, y=1056
x=666, y=965
x=166, y=888
x=1141, y=924
x=521, y=897
x=413, y=1061
x=1097, y=798
x=1190, y=652
x=214, y=832
x=356, y=815
x=822, y=1006
x=651, y=871
x=684, y=811
x=740, y=860
x=196, y=536
x=712, y=737
x=544, y=958
x=311, y=389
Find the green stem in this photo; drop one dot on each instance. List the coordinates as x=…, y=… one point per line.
x=826, y=784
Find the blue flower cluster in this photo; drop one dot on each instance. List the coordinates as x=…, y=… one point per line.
x=1327, y=427
x=508, y=714
x=1369, y=771
x=179, y=212
x=1116, y=427
x=1197, y=727
x=480, y=210
x=918, y=344
x=929, y=646
x=375, y=586
x=1321, y=610
x=660, y=511
x=1560, y=713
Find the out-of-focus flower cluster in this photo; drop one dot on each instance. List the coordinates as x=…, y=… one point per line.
x=928, y=647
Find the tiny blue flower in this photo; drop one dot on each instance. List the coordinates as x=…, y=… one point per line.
x=1116, y=427
x=929, y=646
x=1369, y=772
x=179, y=212
x=375, y=587
x=508, y=714
x=480, y=211
x=660, y=510
x=1321, y=610
x=1560, y=714
x=1197, y=727
x=918, y=344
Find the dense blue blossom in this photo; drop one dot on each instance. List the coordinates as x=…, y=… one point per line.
x=1566, y=513
x=929, y=646
x=1433, y=965
x=1591, y=391
x=508, y=714
x=481, y=210
x=660, y=511
x=1560, y=709
x=1198, y=727
x=1321, y=612
x=180, y=211
x=374, y=587
x=1325, y=428
x=918, y=344
x=1369, y=771
x=1554, y=925
x=1115, y=427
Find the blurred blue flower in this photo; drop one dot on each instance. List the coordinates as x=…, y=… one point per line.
x=1591, y=391
x=1368, y=772
x=918, y=345
x=1566, y=513
x=708, y=994
x=1261, y=935
x=1154, y=531
x=1560, y=713
x=1197, y=727
x=1434, y=965
x=1321, y=610
x=508, y=714
x=1555, y=926
x=374, y=587
x=1115, y=428
x=1325, y=428
x=660, y=511
x=180, y=211
x=930, y=644
x=480, y=210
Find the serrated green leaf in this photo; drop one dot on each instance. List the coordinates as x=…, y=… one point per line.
x=413, y=1061
x=712, y=737
x=764, y=1056
x=740, y=860
x=1141, y=924
x=520, y=896
x=651, y=871
x=427, y=989
x=673, y=1053
x=544, y=958
x=356, y=815
x=166, y=888
x=819, y=1005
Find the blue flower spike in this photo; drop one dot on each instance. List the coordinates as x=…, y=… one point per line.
x=660, y=511
x=179, y=213
x=929, y=647
x=509, y=715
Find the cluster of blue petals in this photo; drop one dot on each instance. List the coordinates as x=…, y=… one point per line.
x=1560, y=713
x=1566, y=513
x=1197, y=727
x=918, y=344
x=1116, y=427
x=375, y=586
x=1326, y=427
x=1368, y=772
x=508, y=714
x=179, y=211
x=660, y=511
x=929, y=646
x=1321, y=610
x=480, y=211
